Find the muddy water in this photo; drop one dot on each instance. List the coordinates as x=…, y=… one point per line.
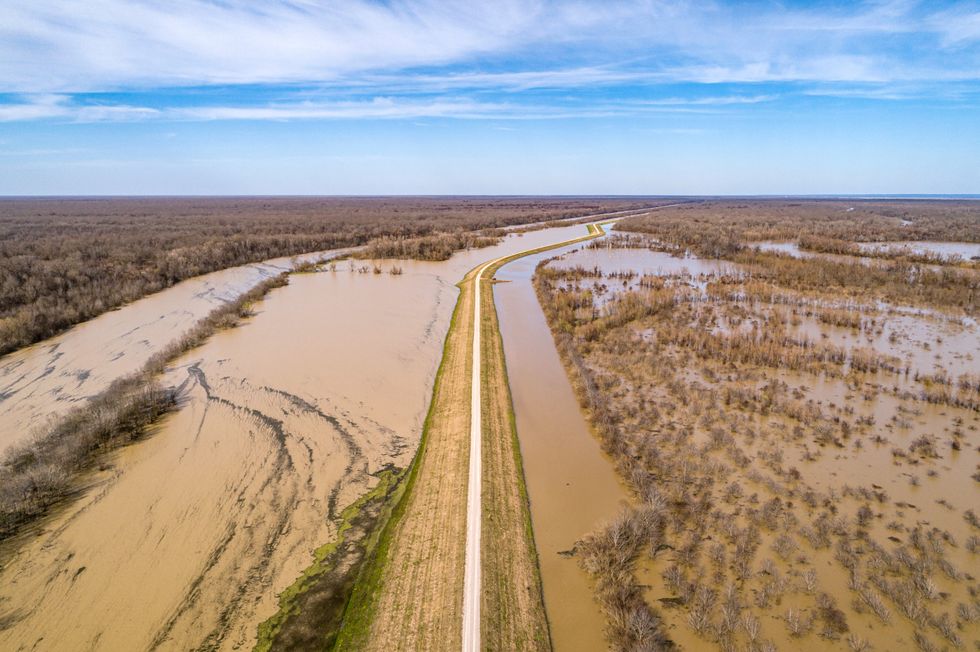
x=186, y=539
x=641, y=261
x=966, y=250
x=925, y=343
x=921, y=492
x=572, y=485
x=196, y=530
x=45, y=380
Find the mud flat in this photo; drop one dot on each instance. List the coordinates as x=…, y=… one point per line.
x=186, y=539
x=43, y=381
x=572, y=486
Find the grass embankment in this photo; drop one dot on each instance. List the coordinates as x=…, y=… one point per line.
x=47, y=470
x=311, y=608
x=513, y=614
x=409, y=591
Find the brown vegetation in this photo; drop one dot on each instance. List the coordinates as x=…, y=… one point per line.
x=699, y=388
x=438, y=246
x=63, y=261
x=823, y=245
x=716, y=229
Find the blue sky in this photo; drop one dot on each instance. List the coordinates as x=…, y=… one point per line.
x=502, y=97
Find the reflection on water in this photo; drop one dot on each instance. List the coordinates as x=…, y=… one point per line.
x=965, y=250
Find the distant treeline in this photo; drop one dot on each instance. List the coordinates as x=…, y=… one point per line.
x=438, y=246
x=718, y=229
x=63, y=261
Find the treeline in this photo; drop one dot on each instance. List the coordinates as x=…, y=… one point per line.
x=64, y=261
x=820, y=244
x=36, y=475
x=718, y=229
x=438, y=246
x=897, y=281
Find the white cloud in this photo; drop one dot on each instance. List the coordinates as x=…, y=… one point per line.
x=46, y=106
x=378, y=108
x=959, y=25
x=100, y=44
x=726, y=100
x=438, y=46
x=34, y=108
x=63, y=108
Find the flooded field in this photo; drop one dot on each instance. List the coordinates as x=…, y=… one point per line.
x=285, y=421
x=965, y=250
x=43, y=381
x=790, y=248
x=808, y=467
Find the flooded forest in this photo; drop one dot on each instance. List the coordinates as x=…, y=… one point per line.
x=741, y=424
x=791, y=393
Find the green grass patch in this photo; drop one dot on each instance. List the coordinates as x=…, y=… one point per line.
x=361, y=607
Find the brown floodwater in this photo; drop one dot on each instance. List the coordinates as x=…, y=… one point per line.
x=924, y=341
x=186, y=538
x=640, y=261
x=43, y=381
x=572, y=485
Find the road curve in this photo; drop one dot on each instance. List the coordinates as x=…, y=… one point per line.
x=474, y=506
x=472, y=588
x=474, y=499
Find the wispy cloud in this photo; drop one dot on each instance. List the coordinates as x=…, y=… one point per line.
x=459, y=58
x=63, y=108
x=50, y=45
x=111, y=44
x=42, y=106
x=727, y=100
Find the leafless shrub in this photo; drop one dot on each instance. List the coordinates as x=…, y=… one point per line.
x=875, y=603
x=784, y=546
x=923, y=643
x=751, y=626
x=609, y=555
x=798, y=623
x=810, y=580
x=945, y=626
x=701, y=609
x=834, y=620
